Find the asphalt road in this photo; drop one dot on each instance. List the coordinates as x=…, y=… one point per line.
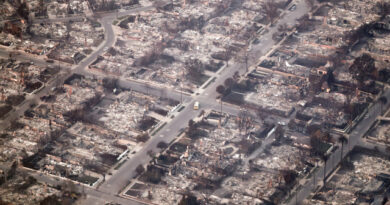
x=354, y=139
x=93, y=196
x=206, y=99
x=34, y=98
x=110, y=188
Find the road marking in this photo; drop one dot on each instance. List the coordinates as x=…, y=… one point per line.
x=167, y=130
x=161, y=136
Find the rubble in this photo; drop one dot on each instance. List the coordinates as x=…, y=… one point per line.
x=363, y=178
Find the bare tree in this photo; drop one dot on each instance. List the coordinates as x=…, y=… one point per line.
x=244, y=56
x=283, y=28
x=271, y=10
x=195, y=68
x=304, y=23
x=384, y=8
x=244, y=121
x=227, y=55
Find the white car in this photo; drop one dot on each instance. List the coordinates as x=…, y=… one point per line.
x=293, y=7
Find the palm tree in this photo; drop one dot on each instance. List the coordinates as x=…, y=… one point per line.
x=342, y=140
x=325, y=158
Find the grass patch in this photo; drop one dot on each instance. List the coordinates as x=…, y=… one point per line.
x=119, y=165
x=211, y=81
x=158, y=129
x=115, y=22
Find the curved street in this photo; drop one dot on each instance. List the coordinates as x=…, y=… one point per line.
x=109, y=190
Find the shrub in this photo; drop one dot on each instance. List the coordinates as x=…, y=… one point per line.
x=143, y=137
x=140, y=169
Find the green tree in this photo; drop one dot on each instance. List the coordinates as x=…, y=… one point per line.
x=140, y=169
x=220, y=89
x=162, y=145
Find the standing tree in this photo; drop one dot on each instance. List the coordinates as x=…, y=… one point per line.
x=279, y=133
x=236, y=76
x=289, y=176
x=110, y=83
x=220, y=89
x=271, y=10
x=283, y=28
x=195, y=69
x=363, y=67
x=162, y=145
x=229, y=83
x=244, y=121
x=227, y=55
x=244, y=56
x=303, y=23
x=140, y=169
x=261, y=115
x=23, y=11
x=42, y=8
x=384, y=8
